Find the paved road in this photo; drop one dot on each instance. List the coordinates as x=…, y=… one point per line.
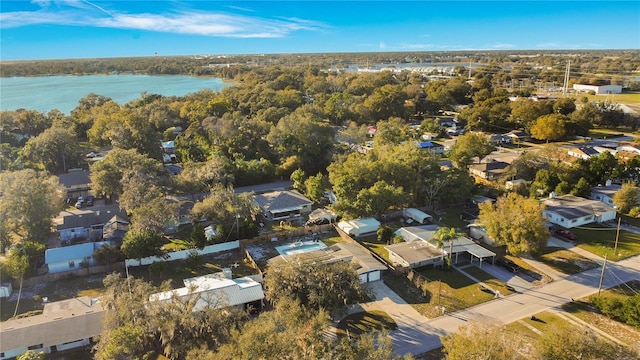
x=425, y=335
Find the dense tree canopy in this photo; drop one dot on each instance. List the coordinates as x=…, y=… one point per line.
x=29, y=201
x=515, y=221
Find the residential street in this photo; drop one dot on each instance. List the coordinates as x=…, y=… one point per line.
x=416, y=334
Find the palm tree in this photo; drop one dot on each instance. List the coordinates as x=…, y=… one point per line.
x=446, y=234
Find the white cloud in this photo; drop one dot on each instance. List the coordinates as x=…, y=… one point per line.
x=502, y=46
x=405, y=46
x=86, y=13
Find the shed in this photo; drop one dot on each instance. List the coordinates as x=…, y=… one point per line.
x=5, y=289
x=412, y=214
x=72, y=257
x=359, y=227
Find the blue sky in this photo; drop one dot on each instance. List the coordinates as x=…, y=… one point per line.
x=54, y=29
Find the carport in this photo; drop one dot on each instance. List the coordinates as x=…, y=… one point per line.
x=463, y=244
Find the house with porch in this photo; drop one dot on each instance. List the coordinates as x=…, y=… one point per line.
x=570, y=211
x=420, y=238
x=283, y=205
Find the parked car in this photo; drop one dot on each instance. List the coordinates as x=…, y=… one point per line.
x=565, y=234
x=508, y=264
x=90, y=200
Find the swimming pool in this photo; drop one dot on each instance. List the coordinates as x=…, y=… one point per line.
x=300, y=247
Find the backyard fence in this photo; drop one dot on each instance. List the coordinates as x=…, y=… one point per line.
x=45, y=278
x=183, y=254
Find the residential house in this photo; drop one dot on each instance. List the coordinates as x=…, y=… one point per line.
x=283, y=205
x=359, y=227
x=629, y=146
x=63, y=325
x=518, y=136
x=432, y=146
x=83, y=225
x=499, y=139
x=488, y=171
x=447, y=122
x=570, y=211
x=606, y=193
x=514, y=184
x=115, y=229
x=415, y=252
x=218, y=290
x=583, y=152
x=71, y=257
x=76, y=182
x=368, y=268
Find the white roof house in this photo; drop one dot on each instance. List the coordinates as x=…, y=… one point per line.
x=570, y=211
x=359, y=227
x=216, y=290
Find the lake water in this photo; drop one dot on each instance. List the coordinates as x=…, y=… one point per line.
x=45, y=93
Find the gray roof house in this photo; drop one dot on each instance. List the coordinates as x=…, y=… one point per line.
x=115, y=229
x=76, y=182
x=570, y=211
x=86, y=224
x=488, y=171
x=63, y=325
x=282, y=205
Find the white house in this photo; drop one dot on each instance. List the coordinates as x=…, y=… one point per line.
x=218, y=290
x=605, y=193
x=583, y=152
x=414, y=254
x=570, y=211
x=359, y=227
x=598, y=89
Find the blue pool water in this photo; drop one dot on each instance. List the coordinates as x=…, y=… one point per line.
x=300, y=247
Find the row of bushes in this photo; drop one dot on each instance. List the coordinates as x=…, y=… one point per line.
x=625, y=310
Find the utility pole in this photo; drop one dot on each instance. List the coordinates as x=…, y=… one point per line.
x=602, y=274
x=615, y=247
x=565, y=86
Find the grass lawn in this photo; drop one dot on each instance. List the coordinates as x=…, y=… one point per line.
x=178, y=270
x=545, y=320
x=449, y=289
x=376, y=246
x=365, y=321
x=452, y=217
x=565, y=261
x=600, y=240
x=55, y=291
x=583, y=309
x=486, y=278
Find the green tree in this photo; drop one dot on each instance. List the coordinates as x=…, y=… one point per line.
x=445, y=235
x=515, y=221
x=140, y=244
x=30, y=200
x=338, y=107
x=564, y=106
x=314, y=186
x=55, y=149
x=384, y=234
x=32, y=355
x=626, y=198
x=386, y=101
x=391, y=132
x=314, y=284
x=198, y=238
x=468, y=146
x=549, y=127
x=481, y=341
x=108, y=254
x=379, y=198
x=298, y=177
x=197, y=177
